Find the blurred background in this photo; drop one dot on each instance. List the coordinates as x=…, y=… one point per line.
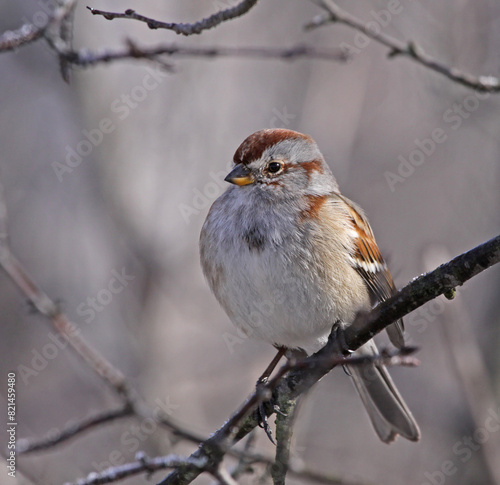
x=133, y=200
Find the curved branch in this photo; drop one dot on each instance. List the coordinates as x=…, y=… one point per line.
x=185, y=29
x=69, y=331
x=411, y=50
x=74, y=429
x=442, y=280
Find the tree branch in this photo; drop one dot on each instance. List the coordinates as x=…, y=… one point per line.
x=13, y=39
x=443, y=280
x=180, y=28
x=57, y=29
x=143, y=464
x=86, y=58
x=72, y=430
x=411, y=50
x=45, y=306
x=212, y=462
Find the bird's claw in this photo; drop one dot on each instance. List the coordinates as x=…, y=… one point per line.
x=264, y=423
x=262, y=415
x=341, y=341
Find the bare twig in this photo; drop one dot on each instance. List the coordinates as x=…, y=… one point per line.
x=57, y=27
x=86, y=58
x=180, y=28
x=13, y=39
x=69, y=331
x=396, y=47
x=66, y=35
x=59, y=34
x=111, y=375
x=72, y=430
x=419, y=291
x=143, y=464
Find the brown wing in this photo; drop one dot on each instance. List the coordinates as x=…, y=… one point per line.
x=370, y=264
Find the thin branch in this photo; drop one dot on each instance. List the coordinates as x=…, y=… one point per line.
x=45, y=306
x=69, y=331
x=180, y=28
x=86, y=58
x=13, y=39
x=143, y=464
x=396, y=47
x=419, y=291
x=66, y=35
x=72, y=430
x=27, y=33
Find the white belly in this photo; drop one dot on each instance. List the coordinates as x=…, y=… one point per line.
x=276, y=286
x=270, y=301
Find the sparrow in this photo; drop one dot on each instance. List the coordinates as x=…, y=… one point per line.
x=288, y=256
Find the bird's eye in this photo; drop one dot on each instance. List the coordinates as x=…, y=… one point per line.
x=274, y=167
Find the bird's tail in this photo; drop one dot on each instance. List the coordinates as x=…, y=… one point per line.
x=387, y=411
